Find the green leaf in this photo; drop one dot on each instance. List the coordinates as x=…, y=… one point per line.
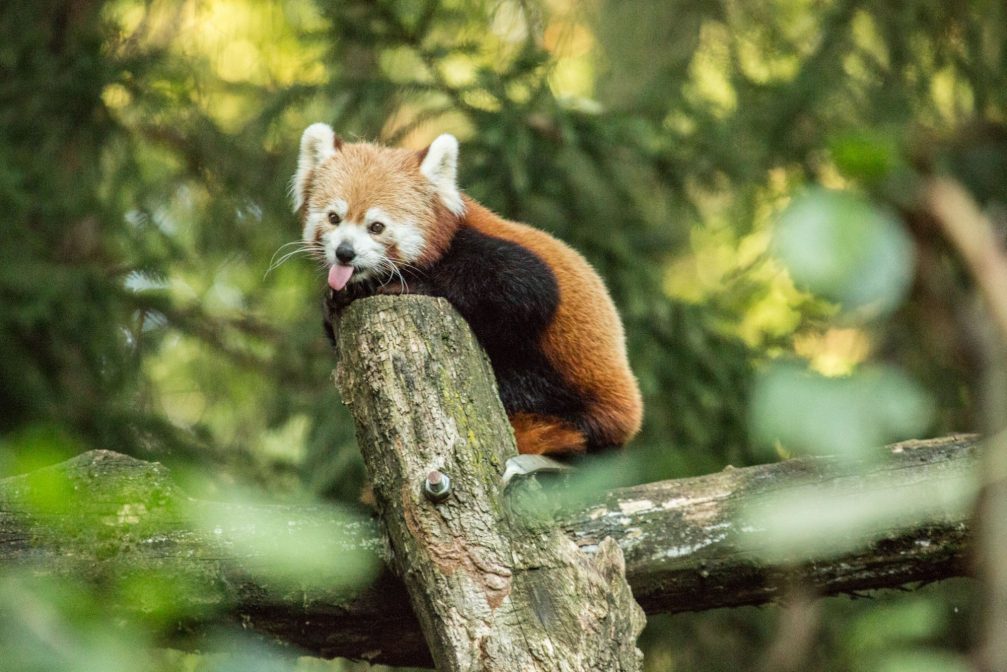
x=867, y=156
x=849, y=417
x=840, y=247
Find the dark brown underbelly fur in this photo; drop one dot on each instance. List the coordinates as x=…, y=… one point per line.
x=508, y=296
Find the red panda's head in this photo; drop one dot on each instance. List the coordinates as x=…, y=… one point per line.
x=372, y=209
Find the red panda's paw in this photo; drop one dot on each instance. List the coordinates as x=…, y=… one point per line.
x=541, y=435
x=330, y=316
x=334, y=303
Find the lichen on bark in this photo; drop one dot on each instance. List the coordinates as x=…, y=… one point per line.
x=490, y=592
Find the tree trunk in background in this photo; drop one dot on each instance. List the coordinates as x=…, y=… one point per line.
x=492, y=590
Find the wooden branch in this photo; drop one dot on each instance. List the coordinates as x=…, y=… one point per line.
x=975, y=238
x=689, y=545
x=493, y=591
x=129, y=516
x=686, y=544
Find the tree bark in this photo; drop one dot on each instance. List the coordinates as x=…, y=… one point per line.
x=130, y=516
x=493, y=591
x=685, y=543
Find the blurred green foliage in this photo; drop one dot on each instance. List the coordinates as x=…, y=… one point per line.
x=848, y=417
x=145, y=152
x=838, y=247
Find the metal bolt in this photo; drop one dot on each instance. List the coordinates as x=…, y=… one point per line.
x=437, y=486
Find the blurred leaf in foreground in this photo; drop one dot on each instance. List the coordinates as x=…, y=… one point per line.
x=846, y=250
x=911, y=620
x=541, y=497
x=61, y=626
x=850, y=417
x=922, y=661
x=246, y=654
x=818, y=523
x=291, y=547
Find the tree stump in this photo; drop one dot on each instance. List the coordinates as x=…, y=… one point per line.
x=492, y=591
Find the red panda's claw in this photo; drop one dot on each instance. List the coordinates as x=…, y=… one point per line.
x=525, y=465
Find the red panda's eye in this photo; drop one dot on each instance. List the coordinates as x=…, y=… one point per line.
x=334, y=219
x=376, y=227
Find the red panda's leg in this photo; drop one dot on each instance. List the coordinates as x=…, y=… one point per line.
x=543, y=435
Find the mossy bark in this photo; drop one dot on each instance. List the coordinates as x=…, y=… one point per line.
x=492, y=591
x=679, y=539
x=103, y=516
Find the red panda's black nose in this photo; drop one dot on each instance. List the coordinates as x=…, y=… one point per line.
x=345, y=253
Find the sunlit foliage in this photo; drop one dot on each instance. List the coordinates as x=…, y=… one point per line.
x=743, y=174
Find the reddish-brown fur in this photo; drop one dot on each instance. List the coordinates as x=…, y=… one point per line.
x=585, y=340
x=367, y=176
x=537, y=435
x=580, y=342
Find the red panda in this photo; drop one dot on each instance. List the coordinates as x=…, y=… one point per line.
x=391, y=220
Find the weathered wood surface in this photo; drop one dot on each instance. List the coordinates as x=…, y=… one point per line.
x=493, y=591
x=684, y=542
x=130, y=516
x=689, y=546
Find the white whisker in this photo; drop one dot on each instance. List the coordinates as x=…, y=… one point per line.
x=402, y=279
x=385, y=265
x=411, y=267
x=301, y=247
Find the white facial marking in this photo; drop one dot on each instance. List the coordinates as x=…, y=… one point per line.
x=318, y=144
x=406, y=235
x=319, y=217
x=440, y=167
x=409, y=239
x=370, y=254
x=376, y=215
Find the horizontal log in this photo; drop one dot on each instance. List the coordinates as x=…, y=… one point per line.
x=687, y=544
x=690, y=546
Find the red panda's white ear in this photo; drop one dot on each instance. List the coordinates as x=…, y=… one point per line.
x=318, y=144
x=440, y=166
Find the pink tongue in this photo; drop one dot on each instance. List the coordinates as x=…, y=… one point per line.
x=339, y=275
